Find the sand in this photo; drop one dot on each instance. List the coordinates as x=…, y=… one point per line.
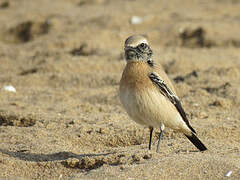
x=65, y=60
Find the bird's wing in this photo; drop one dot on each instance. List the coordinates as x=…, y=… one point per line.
x=157, y=67
x=166, y=91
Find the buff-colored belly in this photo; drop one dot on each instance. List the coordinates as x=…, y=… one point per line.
x=151, y=108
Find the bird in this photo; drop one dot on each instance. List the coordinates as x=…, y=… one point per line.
x=148, y=96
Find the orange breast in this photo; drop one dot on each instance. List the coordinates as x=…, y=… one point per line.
x=135, y=76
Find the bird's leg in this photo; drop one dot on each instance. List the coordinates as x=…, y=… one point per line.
x=159, y=139
x=160, y=136
x=150, y=140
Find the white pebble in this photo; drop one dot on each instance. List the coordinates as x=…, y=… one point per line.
x=9, y=88
x=181, y=30
x=196, y=104
x=136, y=20
x=228, y=173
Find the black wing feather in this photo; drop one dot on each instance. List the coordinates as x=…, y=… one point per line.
x=156, y=79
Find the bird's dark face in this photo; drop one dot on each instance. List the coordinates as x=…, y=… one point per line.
x=141, y=52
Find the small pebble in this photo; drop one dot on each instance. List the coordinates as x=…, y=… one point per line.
x=196, y=104
x=136, y=20
x=9, y=88
x=181, y=30
x=228, y=174
x=203, y=115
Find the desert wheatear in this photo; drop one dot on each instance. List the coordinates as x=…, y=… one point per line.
x=148, y=95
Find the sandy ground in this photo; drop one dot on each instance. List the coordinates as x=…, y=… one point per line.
x=65, y=59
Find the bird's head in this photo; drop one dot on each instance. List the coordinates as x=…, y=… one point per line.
x=137, y=49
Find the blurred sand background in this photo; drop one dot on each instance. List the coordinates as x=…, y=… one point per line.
x=65, y=59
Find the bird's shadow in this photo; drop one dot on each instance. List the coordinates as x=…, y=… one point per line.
x=34, y=157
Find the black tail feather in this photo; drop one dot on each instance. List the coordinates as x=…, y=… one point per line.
x=194, y=139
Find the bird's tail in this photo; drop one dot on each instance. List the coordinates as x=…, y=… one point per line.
x=194, y=139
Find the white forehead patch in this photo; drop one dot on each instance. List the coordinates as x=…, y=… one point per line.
x=134, y=41
x=143, y=41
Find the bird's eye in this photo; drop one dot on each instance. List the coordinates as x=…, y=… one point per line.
x=142, y=45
